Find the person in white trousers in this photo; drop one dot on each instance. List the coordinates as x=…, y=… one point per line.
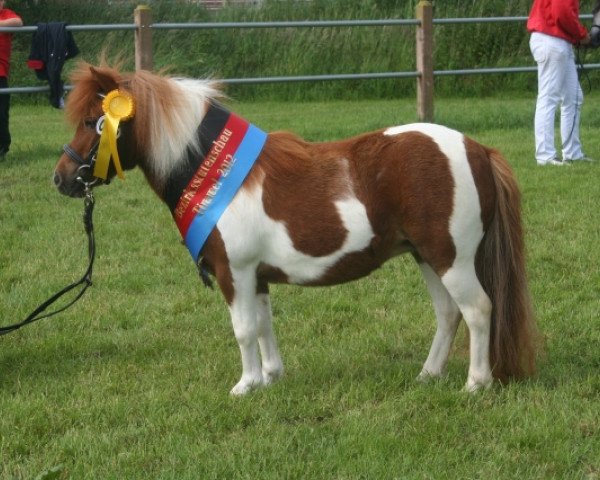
x=555, y=28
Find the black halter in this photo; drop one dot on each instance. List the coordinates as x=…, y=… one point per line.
x=86, y=165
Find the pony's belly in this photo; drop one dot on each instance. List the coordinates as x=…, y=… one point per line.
x=307, y=271
x=350, y=267
x=302, y=268
x=252, y=237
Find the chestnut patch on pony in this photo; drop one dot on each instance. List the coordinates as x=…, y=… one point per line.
x=300, y=184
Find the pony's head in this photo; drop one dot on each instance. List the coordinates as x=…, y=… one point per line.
x=84, y=110
x=157, y=137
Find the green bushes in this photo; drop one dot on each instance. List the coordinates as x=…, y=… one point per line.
x=235, y=53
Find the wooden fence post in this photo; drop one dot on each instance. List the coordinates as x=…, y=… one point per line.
x=143, y=37
x=425, y=61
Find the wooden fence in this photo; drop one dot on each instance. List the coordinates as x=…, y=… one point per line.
x=423, y=22
x=424, y=52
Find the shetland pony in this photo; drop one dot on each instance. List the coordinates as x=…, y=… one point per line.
x=326, y=213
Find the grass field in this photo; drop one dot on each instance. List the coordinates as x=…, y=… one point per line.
x=133, y=381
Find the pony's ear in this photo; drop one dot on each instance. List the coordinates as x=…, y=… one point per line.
x=106, y=81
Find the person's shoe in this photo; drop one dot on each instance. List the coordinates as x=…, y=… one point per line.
x=554, y=161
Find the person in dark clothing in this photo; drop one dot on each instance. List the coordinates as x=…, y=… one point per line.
x=8, y=18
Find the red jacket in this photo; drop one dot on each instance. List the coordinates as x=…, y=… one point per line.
x=559, y=18
x=5, y=43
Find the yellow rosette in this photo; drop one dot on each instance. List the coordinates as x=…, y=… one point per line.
x=118, y=106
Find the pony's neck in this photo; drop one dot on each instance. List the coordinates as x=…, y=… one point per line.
x=170, y=111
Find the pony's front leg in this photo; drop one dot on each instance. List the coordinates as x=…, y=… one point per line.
x=244, y=310
x=272, y=366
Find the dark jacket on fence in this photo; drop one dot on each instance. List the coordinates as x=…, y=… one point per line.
x=51, y=46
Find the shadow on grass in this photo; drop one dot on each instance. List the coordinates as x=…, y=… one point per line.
x=580, y=365
x=23, y=153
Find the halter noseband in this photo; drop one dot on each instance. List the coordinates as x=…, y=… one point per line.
x=86, y=166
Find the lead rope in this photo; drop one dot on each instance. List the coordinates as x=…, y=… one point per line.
x=581, y=73
x=85, y=280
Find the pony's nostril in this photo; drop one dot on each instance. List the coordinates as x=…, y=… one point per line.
x=57, y=179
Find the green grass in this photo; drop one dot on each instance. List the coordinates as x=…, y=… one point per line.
x=133, y=381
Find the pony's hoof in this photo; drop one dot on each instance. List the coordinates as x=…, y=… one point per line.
x=244, y=386
x=428, y=377
x=474, y=386
x=272, y=376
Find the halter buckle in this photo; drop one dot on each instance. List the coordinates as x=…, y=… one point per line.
x=87, y=186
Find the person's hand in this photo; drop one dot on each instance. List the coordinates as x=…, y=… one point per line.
x=587, y=40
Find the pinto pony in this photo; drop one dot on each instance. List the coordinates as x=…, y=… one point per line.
x=322, y=214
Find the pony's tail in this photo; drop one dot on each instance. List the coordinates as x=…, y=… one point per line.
x=501, y=268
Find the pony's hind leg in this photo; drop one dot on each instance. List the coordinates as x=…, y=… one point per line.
x=272, y=366
x=476, y=308
x=448, y=317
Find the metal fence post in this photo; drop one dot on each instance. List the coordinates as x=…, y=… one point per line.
x=425, y=61
x=142, y=16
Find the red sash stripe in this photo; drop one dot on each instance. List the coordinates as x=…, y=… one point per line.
x=210, y=171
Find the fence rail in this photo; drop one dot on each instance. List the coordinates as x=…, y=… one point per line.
x=424, y=22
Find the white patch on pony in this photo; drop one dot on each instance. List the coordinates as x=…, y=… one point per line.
x=252, y=237
x=176, y=130
x=466, y=213
x=466, y=230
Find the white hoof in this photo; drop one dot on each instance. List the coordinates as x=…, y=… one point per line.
x=427, y=377
x=245, y=386
x=473, y=385
x=272, y=376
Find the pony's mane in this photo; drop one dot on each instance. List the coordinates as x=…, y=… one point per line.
x=168, y=111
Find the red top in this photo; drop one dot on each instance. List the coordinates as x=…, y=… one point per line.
x=5, y=42
x=559, y=18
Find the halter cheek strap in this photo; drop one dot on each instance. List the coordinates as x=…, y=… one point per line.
x=86, y=166
x=73, y=155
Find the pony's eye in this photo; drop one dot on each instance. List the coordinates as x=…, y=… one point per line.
x=90, y=122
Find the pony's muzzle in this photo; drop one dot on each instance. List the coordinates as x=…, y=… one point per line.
x=66, y=186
